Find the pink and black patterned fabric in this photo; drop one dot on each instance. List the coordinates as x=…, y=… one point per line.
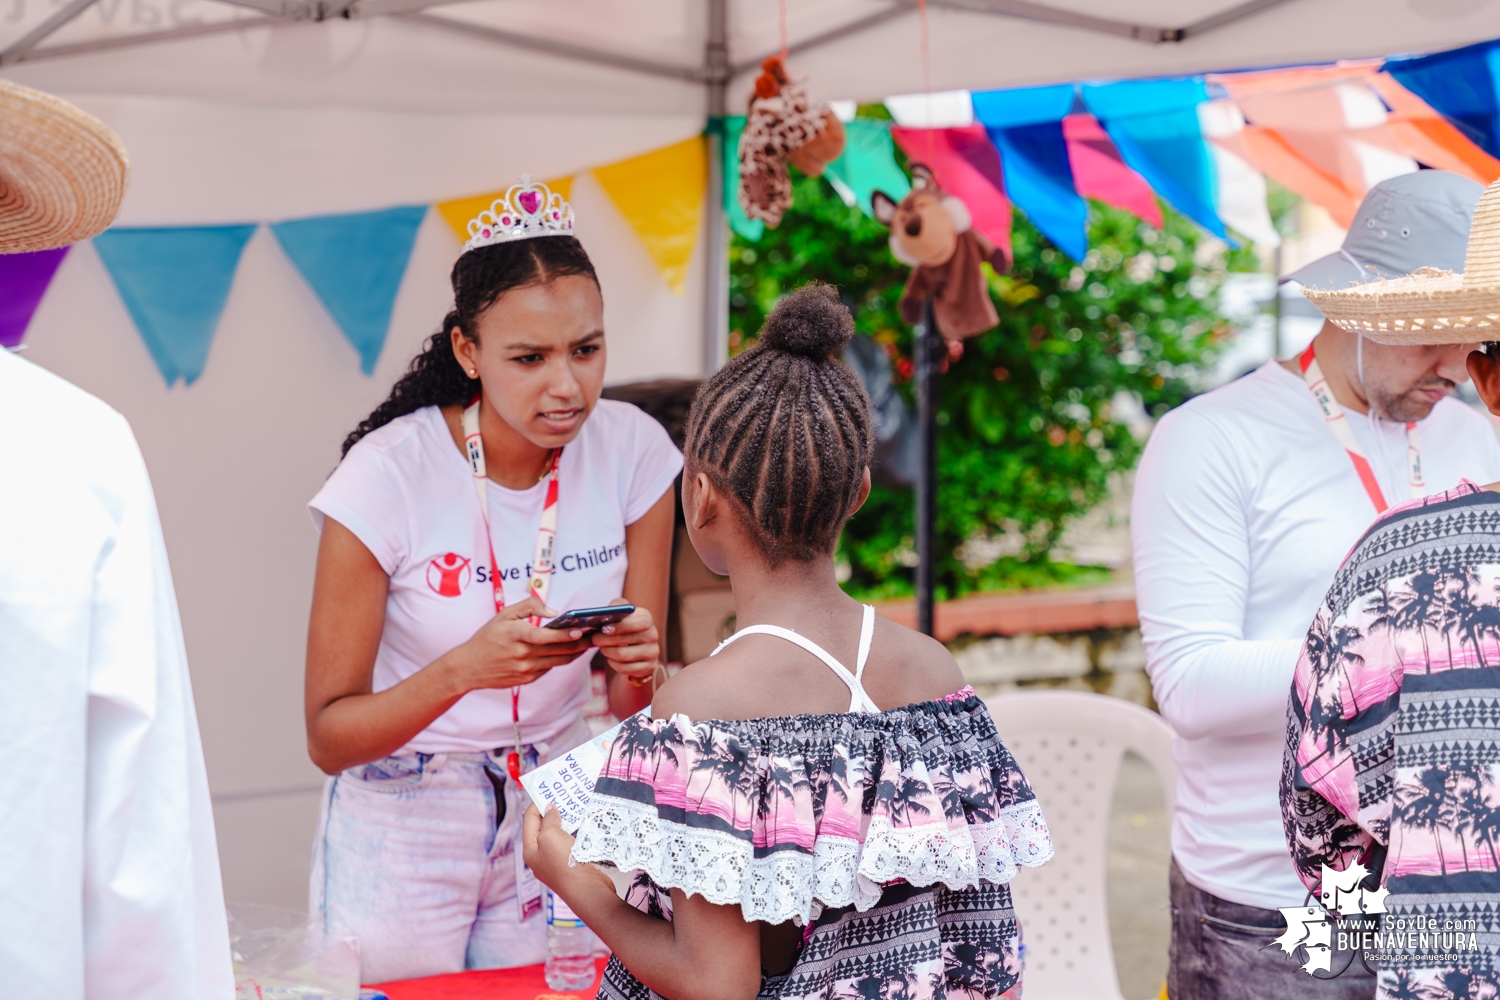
x=1393, y=742
x=889, y=836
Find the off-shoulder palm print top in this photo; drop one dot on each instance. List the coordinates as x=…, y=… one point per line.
x=889, y=836
x=1393, y=743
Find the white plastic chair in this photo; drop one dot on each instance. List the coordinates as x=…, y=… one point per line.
x=1069, y=744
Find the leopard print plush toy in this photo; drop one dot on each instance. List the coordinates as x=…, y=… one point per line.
x=783, y=124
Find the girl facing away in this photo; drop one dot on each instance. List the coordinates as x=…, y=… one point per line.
x=798, y=827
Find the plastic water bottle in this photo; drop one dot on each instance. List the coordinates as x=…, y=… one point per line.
x=570, y=948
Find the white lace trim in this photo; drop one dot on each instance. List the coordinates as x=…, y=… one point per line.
x=792, y=885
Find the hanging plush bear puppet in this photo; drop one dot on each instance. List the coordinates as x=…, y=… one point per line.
x=783, y=125
x=933, y=232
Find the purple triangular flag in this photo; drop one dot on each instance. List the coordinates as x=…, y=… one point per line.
x=23, y=279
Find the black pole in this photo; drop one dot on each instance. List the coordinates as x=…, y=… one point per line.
x=928, y=350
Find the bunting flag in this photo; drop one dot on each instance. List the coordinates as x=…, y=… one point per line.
x=1100, y=173
x=661, y=196
x=1154, y=124
x=967, y=166
x=1461, y=85
x=1026, y=126
x=937, y=110
x=743, y=226
x=1326, y=132
x=355, y=264
x=868, y=164
x=24, y=278
x=459, y=211
x=1428, y=136
x=174, y=283
x=1241, y=200
x=1319, y=131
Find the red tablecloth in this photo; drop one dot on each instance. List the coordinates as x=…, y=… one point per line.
x=524, y=982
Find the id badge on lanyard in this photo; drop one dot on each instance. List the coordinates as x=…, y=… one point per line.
x=528, y=888
x=529, y=892
x=541, y=563
x=1333, y=414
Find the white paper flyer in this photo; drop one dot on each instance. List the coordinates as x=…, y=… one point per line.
x=566, y=783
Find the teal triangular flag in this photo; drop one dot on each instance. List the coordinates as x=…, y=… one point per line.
x=867, y=165
x=355, y=263
x=744, y=226
x=174, y=282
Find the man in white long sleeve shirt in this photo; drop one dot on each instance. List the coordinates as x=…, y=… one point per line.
x=109, y=875
x=1246, y=500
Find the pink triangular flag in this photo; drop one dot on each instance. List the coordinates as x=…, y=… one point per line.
x=1100, y=173
x=966, y=165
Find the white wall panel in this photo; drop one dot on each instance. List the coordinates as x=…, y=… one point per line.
x=235, y=457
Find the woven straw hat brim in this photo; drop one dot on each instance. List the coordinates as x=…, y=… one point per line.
x=1431, y=305
x=63, y=173
x=1428, y=307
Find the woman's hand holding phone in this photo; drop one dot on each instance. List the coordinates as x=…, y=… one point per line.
x=632, y=647
x=509, y=651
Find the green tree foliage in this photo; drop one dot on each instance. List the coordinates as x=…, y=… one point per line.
x=1029, y=433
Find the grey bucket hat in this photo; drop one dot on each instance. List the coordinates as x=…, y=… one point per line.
x=1405, y=223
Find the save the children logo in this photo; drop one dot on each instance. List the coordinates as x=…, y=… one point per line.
x=1351, y=918
x=448, y=574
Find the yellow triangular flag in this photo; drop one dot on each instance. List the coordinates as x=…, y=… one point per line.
x=661, y=195
x=459, y=211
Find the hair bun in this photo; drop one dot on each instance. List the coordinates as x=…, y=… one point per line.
x=811, y=322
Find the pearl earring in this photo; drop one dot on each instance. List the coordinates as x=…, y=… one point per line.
x=473, y=372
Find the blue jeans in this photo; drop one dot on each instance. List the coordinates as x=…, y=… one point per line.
x=414, y=858
x=1227, y=951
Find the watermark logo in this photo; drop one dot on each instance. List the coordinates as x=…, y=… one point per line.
x=1343, y=901
x=1354, y=921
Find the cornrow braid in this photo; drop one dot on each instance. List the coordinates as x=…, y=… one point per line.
x=785, y=428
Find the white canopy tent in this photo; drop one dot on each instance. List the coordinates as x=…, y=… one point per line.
x=264, y=110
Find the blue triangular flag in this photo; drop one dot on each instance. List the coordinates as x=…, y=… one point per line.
x=1025, y=124
x=1039, y=180
x=355, y=263
x=174, y=282
x=1461, y=84
x=1154, y=125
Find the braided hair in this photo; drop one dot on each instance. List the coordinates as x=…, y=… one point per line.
x=480, y=277
x=785, y=428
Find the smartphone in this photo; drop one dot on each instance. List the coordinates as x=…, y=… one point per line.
x=591, y=619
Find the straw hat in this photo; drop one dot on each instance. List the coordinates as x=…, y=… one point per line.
x=1430, y=305
x=62, y=173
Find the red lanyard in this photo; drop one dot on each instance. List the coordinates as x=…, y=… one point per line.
x=541, y=564
x=1333, y=414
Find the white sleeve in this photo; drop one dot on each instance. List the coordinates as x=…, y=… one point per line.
x=109, y=887
x=1191, y=552
x=656, y=463
x=364, y=496
x=153, y=903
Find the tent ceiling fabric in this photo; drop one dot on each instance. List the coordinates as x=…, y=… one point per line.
x=393, y=60
x=430, y=101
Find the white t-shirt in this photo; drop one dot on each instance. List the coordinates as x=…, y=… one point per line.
x=1244, y=506
x=406, y=492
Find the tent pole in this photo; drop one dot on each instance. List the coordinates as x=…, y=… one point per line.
x=58, y=19
x=928, y=346
x=716, y=74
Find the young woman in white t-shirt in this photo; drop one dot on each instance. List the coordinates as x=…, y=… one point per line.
x=423, y=701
